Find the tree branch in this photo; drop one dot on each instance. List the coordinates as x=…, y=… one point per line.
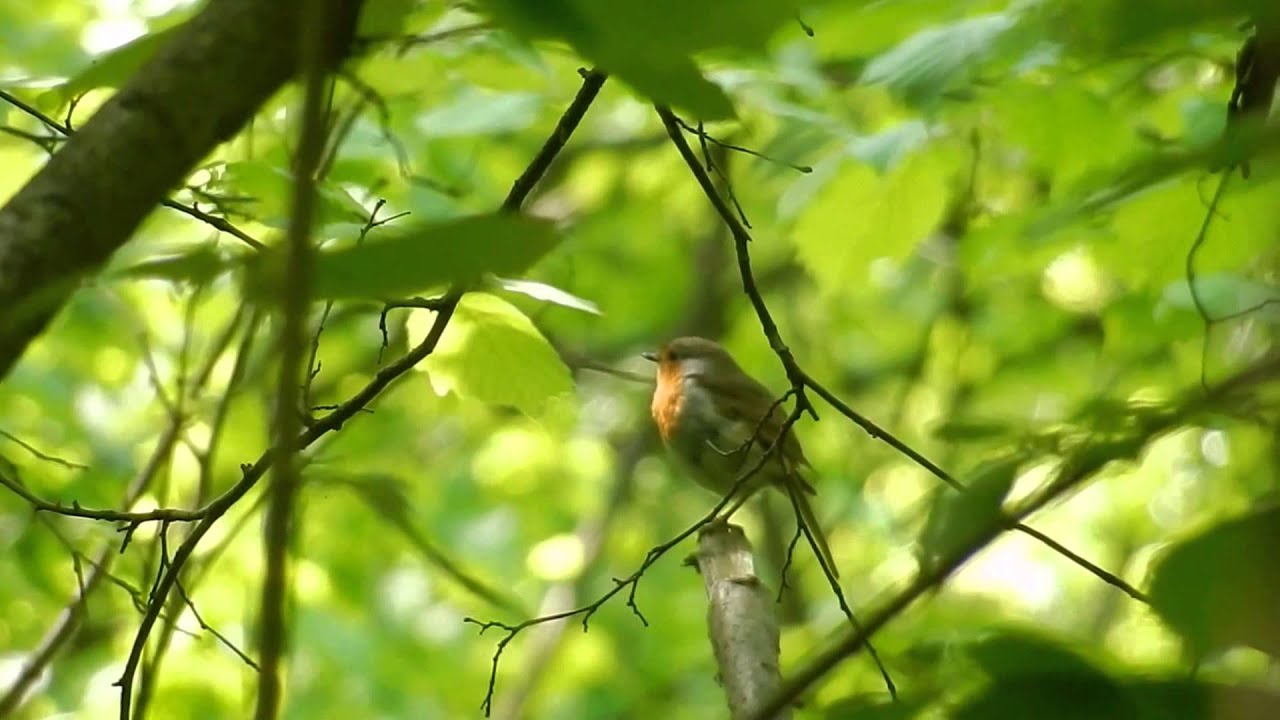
x=273, y=629
x=740, y=620
x=1075, y=469
x=197, y=91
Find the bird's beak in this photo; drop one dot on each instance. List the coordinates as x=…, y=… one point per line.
x=650, y=356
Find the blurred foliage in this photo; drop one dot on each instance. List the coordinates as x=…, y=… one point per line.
x=973, y=220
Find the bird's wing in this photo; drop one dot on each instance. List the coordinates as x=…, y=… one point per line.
x=743, y=400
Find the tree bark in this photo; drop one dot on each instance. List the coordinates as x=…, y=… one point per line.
x=197, y=91
x=740, y=620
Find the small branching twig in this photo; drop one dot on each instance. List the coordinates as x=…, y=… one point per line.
x=66, y=131
x=632, y=582
x=1073, y=471
x=252, y=473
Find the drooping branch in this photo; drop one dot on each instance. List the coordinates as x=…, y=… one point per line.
x=1073, y=471
x=197, y=91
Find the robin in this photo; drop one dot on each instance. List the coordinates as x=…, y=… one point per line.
x=717, y=420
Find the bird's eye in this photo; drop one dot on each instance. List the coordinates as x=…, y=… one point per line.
x=673, y=355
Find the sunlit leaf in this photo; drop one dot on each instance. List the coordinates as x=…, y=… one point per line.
x=642, y=46
x=1219, y=588
x=547, y=293
x=198, y=265
x=415, y=257
x=861, y=215
x=491, y=352
x=924, y=65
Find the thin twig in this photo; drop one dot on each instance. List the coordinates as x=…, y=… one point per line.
x=1073, y=471
x=273, y=635
x=795, y=374
x=216, y=222
x=251, y=474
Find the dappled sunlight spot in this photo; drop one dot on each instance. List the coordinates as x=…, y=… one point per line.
x=1030, y=480
x=1215, y=448
x=514, y=460
x=559, y=557
x=93, y=408
x=311, y=581
x=898, y=486
x=1139, y=637
x=492, y=530
x=1009, y=572
x=587, y=658
x=12, y=666
x=439, y=623
x=1074, y=282
x=590, y=459
x=897, y=563
x=184, y=465
x=100, y=690
x=404, y=592
x=113, y=365
x=1243, y=663
x=110, y=33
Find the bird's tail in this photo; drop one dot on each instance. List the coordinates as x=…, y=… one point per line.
x=798, y=498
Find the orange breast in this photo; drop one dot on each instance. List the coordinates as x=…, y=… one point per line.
x=667, y=401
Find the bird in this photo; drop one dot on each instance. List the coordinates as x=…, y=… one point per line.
x=716, y=421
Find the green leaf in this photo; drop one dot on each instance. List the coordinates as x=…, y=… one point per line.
x=384, y=17
x=971, y=430
x=413, y=258
x=957, y=519
x=926, y=64
x=1220, y=588
x=1224, y=294
x=1104, y=27
x=1015, y=652
x=1065, y=129
x=480, y=112
x=198, y=266
x=874, y=707
x=113, y=68
x=649, y=44
x=1049, y=696
x=1181, y=699
x=493, y=353
x=860, y=216
x=547, y=293
x=269, y=187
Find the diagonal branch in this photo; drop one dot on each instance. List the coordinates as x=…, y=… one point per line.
x=89, y=198
x=1074, y=470
x=251, y=474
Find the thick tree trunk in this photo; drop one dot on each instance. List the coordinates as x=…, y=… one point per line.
x=86, y=202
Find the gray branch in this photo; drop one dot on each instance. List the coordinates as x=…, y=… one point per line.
x=740, y=620
x=196, y=92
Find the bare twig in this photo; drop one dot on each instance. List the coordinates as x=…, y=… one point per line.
x=41, y=455
x=65, y=131
x=632, y=581
x=251, y=474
